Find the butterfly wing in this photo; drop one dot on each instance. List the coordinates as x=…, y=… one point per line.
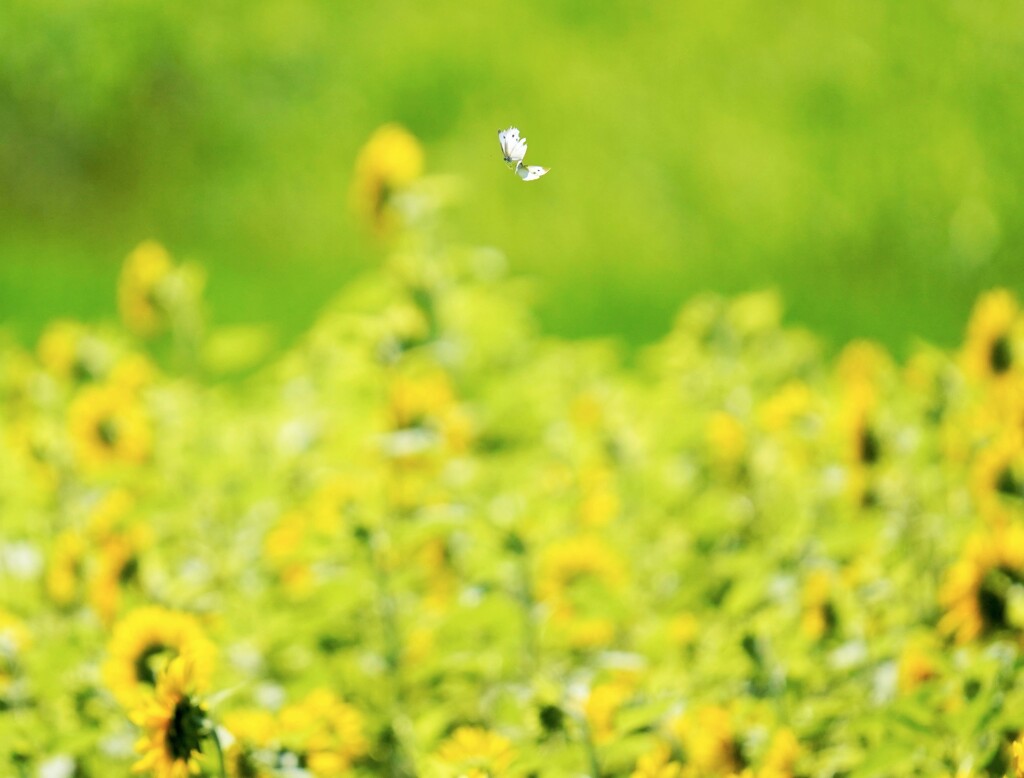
x=531, y=172
x=513, y=148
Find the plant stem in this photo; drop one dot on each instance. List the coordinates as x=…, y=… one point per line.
x=589, y=748
x=220, y=751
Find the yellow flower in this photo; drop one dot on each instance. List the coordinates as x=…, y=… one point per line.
x=791, y=402
x=142, y=644
x=657, y=764
x=594, y=632
x=601, y=706
x=389, y=162
x=1017, y=756
x=251, y=725
x=284, y=549
x=116, y=566
x=999, y=471
x=133, y=372
x=173, y=723
x=251, y=729
x=109, y=425
x=863, y=362
x=708, y=739
x=916, y=666
x=327, y=731
x=583, y=565
x=977, y=589
x=477, y=752
x=106, y=519
x=989, y=352
x=683, y=629
x=862, y=441
x=435, y=560
x=67, y=351
x=726, y=441
x=14, y=635
x=599, y=501
x=819, y=615
x=65, y=573
x=781, y=756
x=138, y=291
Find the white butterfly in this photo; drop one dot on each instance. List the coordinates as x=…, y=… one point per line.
x=513, y=150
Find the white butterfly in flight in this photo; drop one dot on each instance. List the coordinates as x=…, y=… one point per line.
x=513, y=149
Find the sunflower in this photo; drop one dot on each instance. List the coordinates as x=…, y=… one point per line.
x=602, y=705
x=116, y=567
x=389, y=162
x=174, y=724
x=599, y=496
x=708, y=739
x=325, y=730
x=977, y=590
x=109, y=425
x=863, y=444
x=142, y=644
x=792, y=402
x=253, y=730
x=657, y=763
x=1017, y=756
x=989, y=349
x=67, y=351
x=577, y=563
x=998, y=472
x=475, y=752
x=139, y=289
x=917, y=665
x=781, y=756
x=66, y=570
x=819, y=615
x=726, y=441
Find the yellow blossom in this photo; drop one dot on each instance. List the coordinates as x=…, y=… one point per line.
x=476, y=752
x=139, y=293
x=390, y=161
x=975, y=594
x=142, y=644
x=327, y=731
x=658, y=763
x=708, y=739
x=173, y=723
x=988, y=351
x=109, y=426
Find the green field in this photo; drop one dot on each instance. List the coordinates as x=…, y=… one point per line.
x=600, y=476
x=863, y=159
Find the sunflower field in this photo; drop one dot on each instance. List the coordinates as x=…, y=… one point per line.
x=429, y=540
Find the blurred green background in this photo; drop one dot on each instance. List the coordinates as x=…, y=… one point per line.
x=866, y=158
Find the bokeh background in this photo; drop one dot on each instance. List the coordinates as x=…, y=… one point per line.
x=864, y=158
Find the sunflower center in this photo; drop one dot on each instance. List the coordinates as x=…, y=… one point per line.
x=107, y=432
x=1009, y=484
x=129, y=571
x=1000, y=357
x=869, y=446
x=186, y=730
x=551, y=718
x=993, y=593
x=148, y=663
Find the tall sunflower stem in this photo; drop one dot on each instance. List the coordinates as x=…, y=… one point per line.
x=220, y=750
